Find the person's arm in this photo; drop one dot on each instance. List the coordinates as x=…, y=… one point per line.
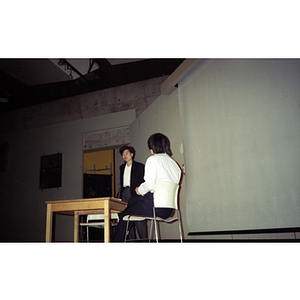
x=150, y=177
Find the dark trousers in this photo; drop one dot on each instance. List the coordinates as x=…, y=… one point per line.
x=138, y=227
x=139, y=206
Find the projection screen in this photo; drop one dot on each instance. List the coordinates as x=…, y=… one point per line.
x=241, y=133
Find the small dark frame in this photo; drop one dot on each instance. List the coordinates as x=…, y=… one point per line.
x=50, y=171
x=3, y=157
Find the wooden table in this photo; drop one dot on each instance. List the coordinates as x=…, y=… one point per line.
x=77, y=207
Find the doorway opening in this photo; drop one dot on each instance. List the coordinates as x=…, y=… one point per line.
x=98, y=174
x=101, y=177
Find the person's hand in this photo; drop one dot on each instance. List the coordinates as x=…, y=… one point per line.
x=137, y=191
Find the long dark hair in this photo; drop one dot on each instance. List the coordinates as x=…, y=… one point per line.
x=159, y=143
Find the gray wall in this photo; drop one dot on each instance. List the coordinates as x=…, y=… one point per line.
x=57, y=127
x=162, y=116
x=23, y=207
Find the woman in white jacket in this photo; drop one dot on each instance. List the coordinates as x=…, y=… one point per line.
x=159, y=167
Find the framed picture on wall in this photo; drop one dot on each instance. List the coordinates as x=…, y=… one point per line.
x=50, y=171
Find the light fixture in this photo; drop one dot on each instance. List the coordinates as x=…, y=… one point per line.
x=63, y=63
x=60, y=62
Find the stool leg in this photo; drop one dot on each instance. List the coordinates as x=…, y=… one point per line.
x=126, y=232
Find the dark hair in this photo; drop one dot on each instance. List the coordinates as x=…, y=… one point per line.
x=129, y=148
x=159, y=143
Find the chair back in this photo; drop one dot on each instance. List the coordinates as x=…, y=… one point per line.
x=166, y=194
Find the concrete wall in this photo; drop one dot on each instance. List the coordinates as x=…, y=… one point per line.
x=136, y=96
x=54, y=127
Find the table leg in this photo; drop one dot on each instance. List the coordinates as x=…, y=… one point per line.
x=106, y=221
x=49, y=221
x=76, y=227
